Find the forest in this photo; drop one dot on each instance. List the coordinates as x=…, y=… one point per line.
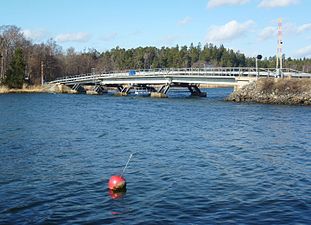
x=23, y=61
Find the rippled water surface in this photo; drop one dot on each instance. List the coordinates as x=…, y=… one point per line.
x=196, y=160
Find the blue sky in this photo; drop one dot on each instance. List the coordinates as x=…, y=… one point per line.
x=249, y=26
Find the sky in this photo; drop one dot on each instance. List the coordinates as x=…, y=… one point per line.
x=248, y=26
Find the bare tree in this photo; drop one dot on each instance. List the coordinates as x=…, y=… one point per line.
x=11, y=38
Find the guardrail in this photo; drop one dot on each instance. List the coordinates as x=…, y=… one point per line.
x=207, y=71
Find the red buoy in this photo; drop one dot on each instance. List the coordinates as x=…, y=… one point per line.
x=116, y=183
x=117, y=194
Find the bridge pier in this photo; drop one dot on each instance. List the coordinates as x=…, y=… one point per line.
x=195, y=91
x=76, y=89
x=119, y=88
x=97, y=90
x=123, y=91
x=161, y=93
x=157, y=95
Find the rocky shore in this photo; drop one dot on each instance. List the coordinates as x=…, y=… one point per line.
x=275, y=91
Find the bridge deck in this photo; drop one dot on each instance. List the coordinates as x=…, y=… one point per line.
x=221, y=75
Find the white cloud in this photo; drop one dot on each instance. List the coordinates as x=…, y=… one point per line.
x=185, y=21
x=277, y=3
x=291, y=28
x=73, y=37
x=267, y=33
x=288, y=29
x=34, y=34
x=304, y=52
x=229, y=31
x=218, y=3
x=110, y=37
x=304, y=28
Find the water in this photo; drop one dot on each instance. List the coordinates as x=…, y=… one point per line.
x=196, y=160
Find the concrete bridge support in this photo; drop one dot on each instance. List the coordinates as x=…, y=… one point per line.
x=76, y=89
x=195, y=91
x=161, y=92
x=123, y=91
x=96, y=90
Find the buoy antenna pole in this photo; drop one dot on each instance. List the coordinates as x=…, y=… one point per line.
x=127, y=164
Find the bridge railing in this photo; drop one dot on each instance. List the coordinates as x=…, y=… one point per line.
x=161, y=71
x=210, y=71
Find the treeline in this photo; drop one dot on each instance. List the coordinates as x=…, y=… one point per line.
x=25, y=61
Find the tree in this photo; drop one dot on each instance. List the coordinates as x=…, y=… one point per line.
x=15, y=74
x=11, y=38
x=56, y=62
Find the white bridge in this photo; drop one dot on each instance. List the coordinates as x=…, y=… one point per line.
x=159, y=81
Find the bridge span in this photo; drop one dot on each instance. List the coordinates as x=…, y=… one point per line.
x=158, y=82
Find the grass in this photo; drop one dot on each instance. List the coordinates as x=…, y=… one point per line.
x=26, y=89
x=283, y=86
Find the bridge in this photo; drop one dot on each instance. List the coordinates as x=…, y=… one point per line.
x=158, y=82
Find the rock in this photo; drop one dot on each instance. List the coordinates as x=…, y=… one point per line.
x=275, y=91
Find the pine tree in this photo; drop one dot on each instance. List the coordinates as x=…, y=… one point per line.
x=15, y=74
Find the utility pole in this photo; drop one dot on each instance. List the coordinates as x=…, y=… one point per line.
x=259, y=57
x=2, y=56
x=2, y=62
x=42, y=73
x=256, y=66
x=279, y=51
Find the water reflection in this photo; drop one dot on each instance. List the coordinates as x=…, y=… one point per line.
x=116, y=194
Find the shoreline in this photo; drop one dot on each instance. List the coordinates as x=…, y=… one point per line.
x=29, y=89
x=276, y=91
